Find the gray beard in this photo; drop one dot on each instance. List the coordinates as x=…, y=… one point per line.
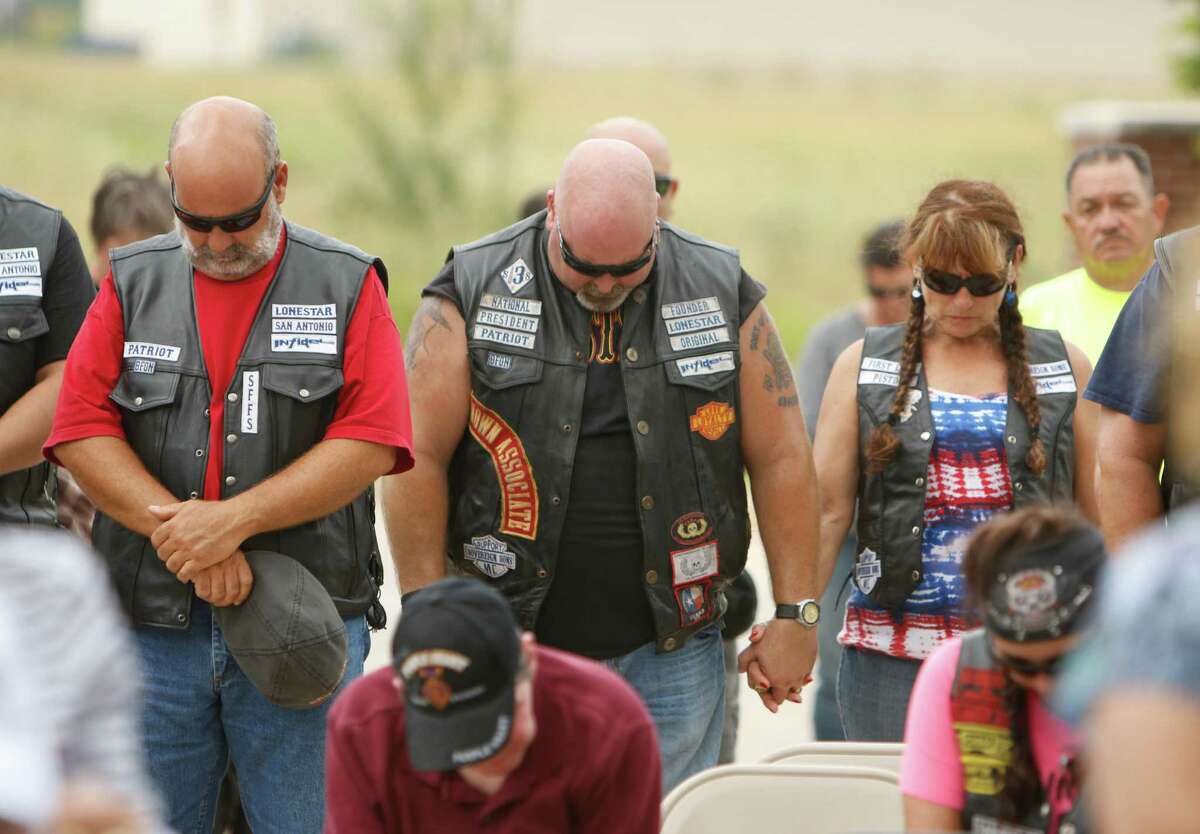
x=238, y=261
x=603, y=303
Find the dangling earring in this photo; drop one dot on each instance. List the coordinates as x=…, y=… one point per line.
x=1010, y=297
x=916, y=290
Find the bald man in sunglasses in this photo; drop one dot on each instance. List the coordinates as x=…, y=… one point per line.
x=590, y=386
x=236, y=386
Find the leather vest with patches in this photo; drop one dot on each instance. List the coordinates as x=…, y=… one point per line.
x=983, y=729
x=1178, y=257
x=28, y=241
x=511, y=474
x=282, y=397
x=891, y=505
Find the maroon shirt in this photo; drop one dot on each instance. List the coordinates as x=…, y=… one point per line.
x=593, y=766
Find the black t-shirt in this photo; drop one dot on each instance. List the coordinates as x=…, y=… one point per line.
x=67, y=293
x=597, y=602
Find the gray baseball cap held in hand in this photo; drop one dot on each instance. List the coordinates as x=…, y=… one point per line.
x=287, y=636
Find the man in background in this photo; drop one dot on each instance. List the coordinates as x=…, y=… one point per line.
x=650, y=141
x=888, y=282
x=127, y=207
x=1114, y=215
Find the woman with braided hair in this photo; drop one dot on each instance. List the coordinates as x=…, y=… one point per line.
x=982, y=750
x=932, y=427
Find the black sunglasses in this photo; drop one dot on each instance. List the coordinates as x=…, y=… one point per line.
x=238, y=222
x=1029, y=668
x=662, y=184
x=597, y=270
x=947, y=283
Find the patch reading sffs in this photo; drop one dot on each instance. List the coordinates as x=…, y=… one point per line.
x=490, y=555
x=518, y=490
x=694, y=563
x=712, y=420
x=690, y=528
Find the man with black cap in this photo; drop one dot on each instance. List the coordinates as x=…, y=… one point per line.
x=477, y=727
x=235, y=389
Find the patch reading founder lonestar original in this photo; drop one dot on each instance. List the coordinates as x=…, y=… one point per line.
x=518, y=489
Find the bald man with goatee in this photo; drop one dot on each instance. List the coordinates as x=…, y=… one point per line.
x=235, y=388
x=589, y=388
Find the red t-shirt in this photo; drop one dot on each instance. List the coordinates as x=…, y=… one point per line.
x=593, y=767
x=372, y=404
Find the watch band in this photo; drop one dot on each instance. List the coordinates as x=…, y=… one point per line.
x=807, y=612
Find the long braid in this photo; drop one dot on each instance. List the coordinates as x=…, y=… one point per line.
x=1022, y=789
x=883, y=443
x=1012, y=341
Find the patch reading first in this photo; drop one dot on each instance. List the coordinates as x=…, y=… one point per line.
x=870, y=363
x=709, y=363
x=691, y=308
x=516, y=276
x=150, y=350
x=518, y=490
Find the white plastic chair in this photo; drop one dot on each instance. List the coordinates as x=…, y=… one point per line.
x=841, y=754
x=795, y=798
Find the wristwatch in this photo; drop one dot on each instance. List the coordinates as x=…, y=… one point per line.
x=807, y=612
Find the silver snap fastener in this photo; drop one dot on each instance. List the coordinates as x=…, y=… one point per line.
x=669, y=644
x=193, y=494
x=206, y=412
x=14, y=333
x=919, y=482
x=230, y=480
x=925, y=435
x=303, y=392
x=566, y=428
x=916, y=531
x=556, y=500
x=647, y=503
x=631, y=354
x=541, y=572
x=916, y=575
x=231, y=438
x=137, y=400
x=651, y=576
x=1011, y=439
x=199, y=453
x=182, y=618
x=1018, y=486
x=232, y=397
x=579, y=355
x=643, y=427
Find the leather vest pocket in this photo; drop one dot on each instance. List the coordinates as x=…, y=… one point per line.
x=22, y=323
x=707, y=372
x=301, y=405
x=499, y=370
x=141, y=397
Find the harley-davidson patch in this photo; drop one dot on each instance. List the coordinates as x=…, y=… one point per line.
x=712, y=420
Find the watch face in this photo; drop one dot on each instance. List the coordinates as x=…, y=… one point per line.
x=810, y=613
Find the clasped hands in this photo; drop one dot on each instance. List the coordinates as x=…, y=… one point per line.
x=200, y=542
x=779, y=661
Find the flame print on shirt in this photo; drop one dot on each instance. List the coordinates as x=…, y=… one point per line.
x=606, y=337
x=518, y=489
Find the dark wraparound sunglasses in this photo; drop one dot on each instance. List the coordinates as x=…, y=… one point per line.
x=947, y=283
x=597, y=270
x=231, y=223
x=662, y=184
x=1029, y=668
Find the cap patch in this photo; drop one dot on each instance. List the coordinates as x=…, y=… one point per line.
x=1031, y=592
x=456, y=661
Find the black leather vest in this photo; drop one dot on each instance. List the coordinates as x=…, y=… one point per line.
x=28, y=240
x=984, y=733
x=511, y=474
x=283, y=395
x=891, y=505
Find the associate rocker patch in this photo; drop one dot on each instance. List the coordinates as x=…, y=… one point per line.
x=712, y=420
x=518, y=490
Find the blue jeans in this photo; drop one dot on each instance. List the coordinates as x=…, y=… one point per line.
x=200, y=710
x=684, y=691
x=827, y=723
x=873, y=691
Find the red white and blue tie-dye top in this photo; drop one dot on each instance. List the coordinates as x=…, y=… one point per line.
x=967, y=482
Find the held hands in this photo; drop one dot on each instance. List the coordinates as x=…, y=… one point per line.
x=195, y=535
x=228, y=582
x=779, y=661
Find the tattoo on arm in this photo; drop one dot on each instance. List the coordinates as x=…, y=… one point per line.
x=429, y=315
x=780, y=379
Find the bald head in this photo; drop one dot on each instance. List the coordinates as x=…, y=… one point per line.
x=224, y=133
x=605, y=199
x=642, y=135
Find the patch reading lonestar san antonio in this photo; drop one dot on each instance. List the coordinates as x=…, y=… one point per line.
x=518, y=490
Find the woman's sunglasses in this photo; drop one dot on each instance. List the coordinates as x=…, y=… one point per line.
x=231, y=223
x=947, y=283
x=597, y=270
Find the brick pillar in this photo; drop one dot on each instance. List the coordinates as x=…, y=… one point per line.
x=1168, y=131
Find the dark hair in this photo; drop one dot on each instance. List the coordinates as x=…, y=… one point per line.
x=1113, y=152
x=975, y=225
x=1003, y=533
x=128, y=202
x=881, y=247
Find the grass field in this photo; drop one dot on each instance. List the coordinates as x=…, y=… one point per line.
x=788, y=167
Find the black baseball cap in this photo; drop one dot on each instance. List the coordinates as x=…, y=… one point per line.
x=287, y=637
x=1041, y=590
x=457, y=651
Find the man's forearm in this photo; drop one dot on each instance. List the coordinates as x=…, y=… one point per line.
x=785, y=502
x=26, y=425
x=113, y=476
x=416, y=509
x=1129, y=497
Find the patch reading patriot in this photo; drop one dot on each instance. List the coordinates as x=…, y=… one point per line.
x=516, y=276
x=150, y=350
x=712, y=420
x=518, y=490
x=490, y=555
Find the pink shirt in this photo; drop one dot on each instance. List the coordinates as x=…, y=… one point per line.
x=931, y=769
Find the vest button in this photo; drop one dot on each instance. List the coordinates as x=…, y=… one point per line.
x=643, y=427
x=1011, y=439
x=231, y=438
x=1018, y=486
x=647, y=502
x=207, y=412
x=651, y=576
x=137, y=400
x=541, y=572
x=925, y=435
x=566, y=428
x=919, y=482
x=556, y=500
x=231, y=396
x=303, y=392
x=631, y=354
x=193, y=494
x=230, y=480
x=916, y=530
x=579, y=356
x=639, y=295
x=199, y=453
x=181, y=617
x=669, y=644
x=14, y=333
x=916, y=575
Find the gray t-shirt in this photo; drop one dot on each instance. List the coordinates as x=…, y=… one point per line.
x=825, y=344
